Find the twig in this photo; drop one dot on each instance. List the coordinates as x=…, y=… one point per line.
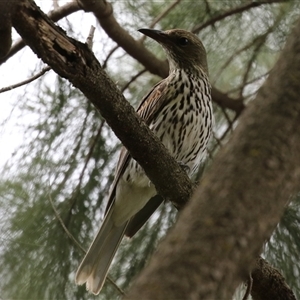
x=36, y=76
x=162, y=15
x=88, y=158
x=132, y=79
x=260, y=42
x=249, y=287
x=231, y=12
x=69, y=234
x=55, y=4
x=230, y=123
x=247, y=83
x=115, y=285
x=269, y=283
x=90, y=37
x=111, y=52
x=134, y=48
x=234, y=55
x=248, y=68
x=219, y=140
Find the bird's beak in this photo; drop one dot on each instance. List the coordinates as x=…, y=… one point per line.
x=156, y=35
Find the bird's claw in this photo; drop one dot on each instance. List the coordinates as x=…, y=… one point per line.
x=184, y=166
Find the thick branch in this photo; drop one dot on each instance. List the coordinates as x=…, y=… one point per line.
x=234, y=11
x=54, y=15
x=104, y=13
x=74, y=61
x=221, y=231
x=269, y=284
x=6, y=9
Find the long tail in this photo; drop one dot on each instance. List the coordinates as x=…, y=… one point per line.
x=94, y=266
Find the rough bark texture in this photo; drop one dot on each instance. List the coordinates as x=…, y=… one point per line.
x=6, y=9
x=74, y=61
x=269, y=284
x=56, y=15
x=241, y=199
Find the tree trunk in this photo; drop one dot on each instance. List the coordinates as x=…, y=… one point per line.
x=241, y=199
x=221, y=231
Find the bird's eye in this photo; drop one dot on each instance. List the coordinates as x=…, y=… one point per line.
x=183, y=41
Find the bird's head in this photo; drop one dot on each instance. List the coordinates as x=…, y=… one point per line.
x=183, y=48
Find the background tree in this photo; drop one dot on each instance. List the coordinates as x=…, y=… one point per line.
x=65, y=164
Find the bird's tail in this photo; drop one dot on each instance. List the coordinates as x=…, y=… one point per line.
x=94, y=266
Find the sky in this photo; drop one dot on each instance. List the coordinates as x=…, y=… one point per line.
x=21, y=66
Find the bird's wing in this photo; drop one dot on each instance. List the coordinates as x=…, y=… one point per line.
x=147, y=110
x=153, y=101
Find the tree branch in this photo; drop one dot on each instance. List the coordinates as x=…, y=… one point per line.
x=55, y=15
x=6, y=10
x=26, y=81
x=74, y=61
x=103, y=11
x=212, y=247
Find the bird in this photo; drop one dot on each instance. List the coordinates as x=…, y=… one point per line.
x=178, y=109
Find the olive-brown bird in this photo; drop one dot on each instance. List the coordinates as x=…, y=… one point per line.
x=179, y=111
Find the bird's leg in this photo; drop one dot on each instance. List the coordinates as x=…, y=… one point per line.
x=184, y=166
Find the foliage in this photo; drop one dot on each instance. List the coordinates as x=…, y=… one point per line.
x=69, y=153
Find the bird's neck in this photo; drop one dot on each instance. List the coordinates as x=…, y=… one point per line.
x=187, y=72
x=196, y=70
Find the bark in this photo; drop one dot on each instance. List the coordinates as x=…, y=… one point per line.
x=241, y=199
x=103, y=11
x=212, y=247
x=55, y=15
x=74, y=61
x=269, y=284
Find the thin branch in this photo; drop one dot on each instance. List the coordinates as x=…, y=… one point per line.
x=234, y=90
x=233, y=56
x=55, y=4
x=115, y=285
x=104, y=13
x=133, y=78
x=88, y=158
x=234, y=11
x=69, y=234
x=248, y=67
x=164, y=13
x=161, y=15
x=90, y=37
x=6, y=10
x=111, y=52
x=238, y=204
x=72, y=238
x=34, y=77
x=230, y=123
x=249, y=287
x=219, y=140
x=207, y=8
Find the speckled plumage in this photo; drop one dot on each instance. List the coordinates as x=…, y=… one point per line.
x=179, y=110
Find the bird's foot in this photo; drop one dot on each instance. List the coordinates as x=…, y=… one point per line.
x=184, y=166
